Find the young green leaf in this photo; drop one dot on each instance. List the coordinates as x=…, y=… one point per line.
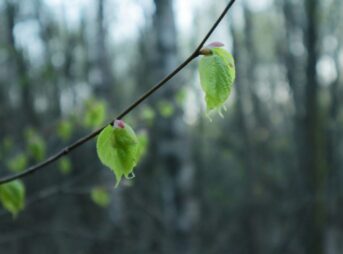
x=166, y=108
x=65, y=166
x=18, y=163
x=100, y=196
x=118, y=149
x=64, y=129
x=35, y=144
x=12, y=196
x=217, y=74
x=95, y=113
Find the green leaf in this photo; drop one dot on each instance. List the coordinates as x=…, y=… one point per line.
x=35, y=144
x=18, y=163
x=100, y=196
x=12, y=196
x=166, y=108
x=118, y=149
x=147, y=114
x=64, y=129
x=95, y=113
x=217, y=74
x=64, y=166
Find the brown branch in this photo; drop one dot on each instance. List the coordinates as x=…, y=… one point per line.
x=93, y=134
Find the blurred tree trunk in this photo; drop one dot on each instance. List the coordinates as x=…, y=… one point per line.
x=103, y=90
x=247, y=153
x=104, y=78
x=172, y=143
x=308, y=127
x=313, y=159
x=21, y=69
x=334, y=138
x=47, y=31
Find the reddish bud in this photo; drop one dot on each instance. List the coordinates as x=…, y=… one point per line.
x=119, y=124
x=215, y=44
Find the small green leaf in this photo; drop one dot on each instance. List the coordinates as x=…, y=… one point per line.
x=100, y=196
x=217, y=74
x=64, y=166
x=64, y=129
x=166, y=108
x=118, y=149
x=18, y=163
x=35, y=144
x=95, y=113
x=12, y=196
x=148, y=114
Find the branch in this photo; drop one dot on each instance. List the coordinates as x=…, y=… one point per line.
x=93, y=134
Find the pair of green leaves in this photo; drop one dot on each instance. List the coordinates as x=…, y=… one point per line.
x=217, y=74
x=119, y=148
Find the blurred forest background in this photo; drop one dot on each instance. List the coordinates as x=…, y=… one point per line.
x=264, y=179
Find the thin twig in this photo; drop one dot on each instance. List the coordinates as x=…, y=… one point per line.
x=93, y=134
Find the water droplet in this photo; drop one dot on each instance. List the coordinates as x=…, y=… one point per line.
x=130, y=176
x=220, y=113
x=208, y=117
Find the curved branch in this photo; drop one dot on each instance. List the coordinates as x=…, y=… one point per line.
x=93, y=134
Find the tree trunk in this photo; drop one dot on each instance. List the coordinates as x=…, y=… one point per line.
x=313, y=161
x=172, y=146
x=247, y=153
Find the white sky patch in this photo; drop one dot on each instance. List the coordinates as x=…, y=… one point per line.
x=259, y=5
x=326, y=69
x=129, y=17
x=70, y=9
x=184, y=13
x=183, y=17
x=27, y=37
x=282, y=93
x=192, y=108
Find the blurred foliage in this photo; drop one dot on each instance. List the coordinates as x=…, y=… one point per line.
x=36, y=146
x=12, y=196
x=65, y=166
x=100, y=196
x=147, y=114
x=18, y=163
x=7, y=144
x=165, y=108
x=95, y=113
x=65, y=130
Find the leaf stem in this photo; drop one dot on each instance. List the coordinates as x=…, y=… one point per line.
x=93, y=134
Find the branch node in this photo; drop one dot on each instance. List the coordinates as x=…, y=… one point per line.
x=205, y=52
x=66, y=150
